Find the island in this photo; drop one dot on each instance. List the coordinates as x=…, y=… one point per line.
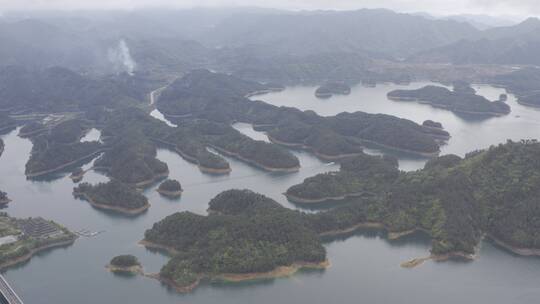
x=330, y=89
x=21, y=239
x=170, y=188
x=451, y=200
x=219, y=98
x=232, y=243
x=1, y=147
x=125, y=264
x=114, y=196
x=463, y=99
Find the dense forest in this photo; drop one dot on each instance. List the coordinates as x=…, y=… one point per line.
x=58, y=89
x=463, y=99
x=456, y=201
x=113, y=195
x=524, y=83
x=244, y=233
x=59, y=148
x=170, y=186
x=125, y=261
x=332, y=88
x=221, y=98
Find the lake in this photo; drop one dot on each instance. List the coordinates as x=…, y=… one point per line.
x=365, y=267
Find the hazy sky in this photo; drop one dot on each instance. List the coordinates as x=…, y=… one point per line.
x=440, y=7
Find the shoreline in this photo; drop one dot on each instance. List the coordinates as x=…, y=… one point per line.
x=296, y=199
x=256, y=164
x=136, y=269
x=123, y=210
x=340, y=156
x=194, y=160
x=171, y=194
x=62, y=167
x=278, y=272
x=33, y=252
x=325, y=157
x=420, y=101
x=516, y=250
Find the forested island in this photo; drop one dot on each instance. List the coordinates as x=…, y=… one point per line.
x=463, y=99
x=23, y=238
x=170, y=188
x=60, y=148
x=221, y=98
x=233, y=243
x=125, y=264
x=330, y=89
x=113, y=195
x=456, y=201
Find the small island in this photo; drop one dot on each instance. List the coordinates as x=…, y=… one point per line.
x=113, y=195
x=23, y=238
x=329, y=89
x=170, y=188
x=125, y=264
x=462, y=99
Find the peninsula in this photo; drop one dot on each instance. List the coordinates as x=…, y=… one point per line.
x=463, y=99
x=23, y=238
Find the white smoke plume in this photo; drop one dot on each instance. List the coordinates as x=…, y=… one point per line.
x=121, y=59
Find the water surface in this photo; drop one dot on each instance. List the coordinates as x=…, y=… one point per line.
x=365, y=267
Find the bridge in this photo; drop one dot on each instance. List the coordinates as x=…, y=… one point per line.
x=7, y=295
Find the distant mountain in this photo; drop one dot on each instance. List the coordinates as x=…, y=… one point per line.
x=178, y=41
x=518, y=44
x=482, y=22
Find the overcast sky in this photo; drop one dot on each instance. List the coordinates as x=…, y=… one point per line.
x=439, y=7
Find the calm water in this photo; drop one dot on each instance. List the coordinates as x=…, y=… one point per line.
x=467, y=133
x=365, y=267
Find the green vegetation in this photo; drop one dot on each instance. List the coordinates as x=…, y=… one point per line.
x=245, y=233
x=28, y=237
x=332, y=88
x=32, y=128
x=125, y=261
x=455, y=200
x=58, y=89
x=113, y=195
x=48, y=156
x=170, y=187
x=363, y=175
x=462, y=99
x=69, y=131
x=132, y=159
x=221, y=98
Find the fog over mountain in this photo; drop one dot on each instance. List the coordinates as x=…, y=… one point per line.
x=440, y=7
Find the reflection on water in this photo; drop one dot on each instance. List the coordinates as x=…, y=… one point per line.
x=364, y=266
